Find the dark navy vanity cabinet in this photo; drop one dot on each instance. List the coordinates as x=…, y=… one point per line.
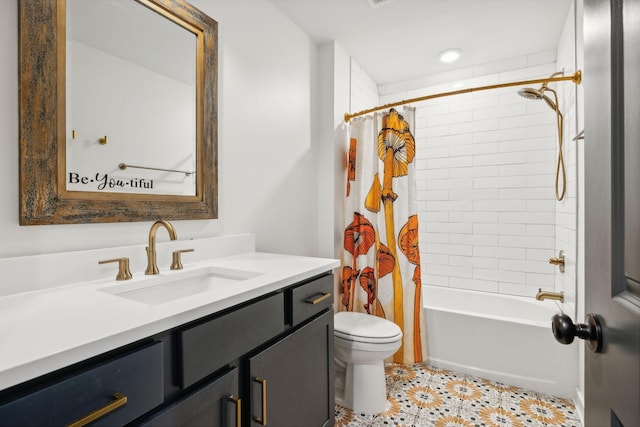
x=268, y=361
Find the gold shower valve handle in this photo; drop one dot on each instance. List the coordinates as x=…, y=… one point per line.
x=103, y=140
x=176, y=261
x=559, y=261
x=123, y=268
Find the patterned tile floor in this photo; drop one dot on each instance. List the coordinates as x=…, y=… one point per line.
x=420, y=395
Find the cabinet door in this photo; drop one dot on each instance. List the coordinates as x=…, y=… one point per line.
x=214, y=404
x=291, y=382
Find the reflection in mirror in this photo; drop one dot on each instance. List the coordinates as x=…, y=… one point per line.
x=156, y=143
x=131, y=97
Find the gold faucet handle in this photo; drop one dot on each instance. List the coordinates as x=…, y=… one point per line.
x=176, y=261
x=123, y=267
x=559, y=261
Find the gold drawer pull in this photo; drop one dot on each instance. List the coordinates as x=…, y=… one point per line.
x=319, y=299
x=263, y=382
x=238, y=402
x=120, y=400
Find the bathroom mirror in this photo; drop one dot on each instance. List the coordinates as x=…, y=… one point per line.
x=130, y=88
x=85, y=157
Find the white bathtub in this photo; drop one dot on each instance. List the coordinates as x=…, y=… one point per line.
x=499, y=337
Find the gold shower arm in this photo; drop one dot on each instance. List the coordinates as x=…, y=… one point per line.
x=575, y=78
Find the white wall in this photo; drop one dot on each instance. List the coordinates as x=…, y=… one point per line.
x=363, y=89
x=268, y=175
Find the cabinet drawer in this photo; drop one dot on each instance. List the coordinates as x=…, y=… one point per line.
x=209, y=346
x=213, y=404
x=138, y=376
x=311, y=298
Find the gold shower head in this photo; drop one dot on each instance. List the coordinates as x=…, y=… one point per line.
x=531, y=93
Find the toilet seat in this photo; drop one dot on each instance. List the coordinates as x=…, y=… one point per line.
x=365, y=328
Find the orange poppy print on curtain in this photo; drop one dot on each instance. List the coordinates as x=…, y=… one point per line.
x=369, y=283
x=351, y=164
x=359, y=237
x=348, y=276
x=380, y=202
x=372, y=202
x=386, y=261
x=396, y=137
x=396, y=148
x=408, y=242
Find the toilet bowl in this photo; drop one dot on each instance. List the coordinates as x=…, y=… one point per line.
x=361, y=344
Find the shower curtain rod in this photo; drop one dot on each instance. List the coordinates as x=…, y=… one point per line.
x=575, y=78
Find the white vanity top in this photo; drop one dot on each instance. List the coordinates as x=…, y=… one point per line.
x=47, y=329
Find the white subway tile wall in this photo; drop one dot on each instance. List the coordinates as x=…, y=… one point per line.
x=485, y=168
x=364, y=91
x=487, y=157
x=567, y=210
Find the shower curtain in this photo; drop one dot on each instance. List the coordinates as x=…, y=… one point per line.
x=381, y=258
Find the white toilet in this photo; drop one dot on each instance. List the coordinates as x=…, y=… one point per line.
x=362, y=343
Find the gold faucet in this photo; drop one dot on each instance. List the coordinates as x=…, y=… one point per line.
x=542, y=295
x=152, y=267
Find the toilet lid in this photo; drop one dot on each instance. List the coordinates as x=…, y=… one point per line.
x=365, y=328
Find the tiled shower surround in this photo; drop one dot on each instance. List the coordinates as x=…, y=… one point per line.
x=485, y=165
x=485, y=168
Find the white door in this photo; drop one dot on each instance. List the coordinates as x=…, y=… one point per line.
x=612, y=209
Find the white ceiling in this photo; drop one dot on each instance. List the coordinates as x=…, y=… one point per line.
x=399, y=39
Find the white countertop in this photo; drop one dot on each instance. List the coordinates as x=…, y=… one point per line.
x=45, y=330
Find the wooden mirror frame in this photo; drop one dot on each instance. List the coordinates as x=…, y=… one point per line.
x=43, y=195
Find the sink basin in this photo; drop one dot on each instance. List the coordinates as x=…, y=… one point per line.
x=162, y=289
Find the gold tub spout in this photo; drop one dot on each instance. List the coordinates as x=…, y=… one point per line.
x=542, y=295
x=152, y=267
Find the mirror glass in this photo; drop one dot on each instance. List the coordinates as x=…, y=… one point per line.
x=118, y=111
x=131, y=98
